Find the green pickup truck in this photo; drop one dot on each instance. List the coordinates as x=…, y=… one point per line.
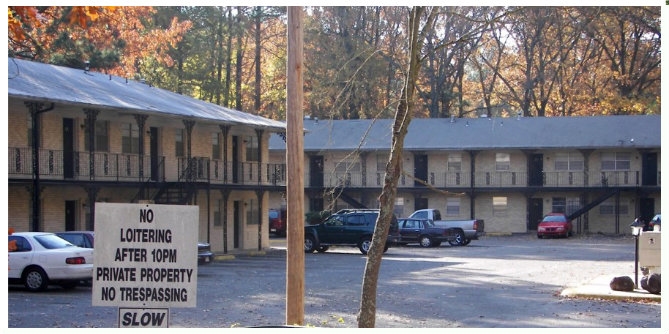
x=350, y=227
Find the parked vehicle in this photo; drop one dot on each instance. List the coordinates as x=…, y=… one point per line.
x=85, y=239
x=204, y=253
x=655, y=223
x=354, y=227
x=40, y=259
x=555, y=224
x=465, y=230
x=423, y=232
x=277, y=222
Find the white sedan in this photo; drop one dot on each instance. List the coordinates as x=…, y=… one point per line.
x=38, y=259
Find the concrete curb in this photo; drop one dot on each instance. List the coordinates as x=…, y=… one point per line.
x=599, y=288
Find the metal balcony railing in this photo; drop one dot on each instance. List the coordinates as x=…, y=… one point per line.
x=105, y=166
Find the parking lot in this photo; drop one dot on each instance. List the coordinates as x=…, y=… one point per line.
x=495, y=282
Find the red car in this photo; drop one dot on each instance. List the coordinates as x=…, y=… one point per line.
x=277, y=222
x=555, y=224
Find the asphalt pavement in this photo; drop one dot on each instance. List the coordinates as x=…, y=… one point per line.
x=517, y=281
x=597, y=288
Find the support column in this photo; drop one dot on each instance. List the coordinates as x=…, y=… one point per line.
x=35, y=109
x=189, y=132
x=225, y=129
x=92, y=197
x=259, y=133
x=259, y=194
x=141, y=123
x=226, y=195
x=91, y=117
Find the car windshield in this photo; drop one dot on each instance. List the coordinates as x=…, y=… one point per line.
x=554, y=219
x=52, y=241
x=428, y=223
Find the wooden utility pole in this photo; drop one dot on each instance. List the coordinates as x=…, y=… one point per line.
x=295, y=171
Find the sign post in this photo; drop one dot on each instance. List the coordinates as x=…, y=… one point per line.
x=145, y=261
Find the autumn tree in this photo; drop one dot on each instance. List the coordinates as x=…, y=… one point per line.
x=112, y=39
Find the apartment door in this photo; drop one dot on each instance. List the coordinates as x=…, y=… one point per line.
x=70, y=215
x=68, y=148
x=536, y=170
x=419, y=203
x=235, y=160
x=420, y=169
x=316, y=171
x=649, y=169
x=236, y=224
x=647, y=208
x=535, y=213
x=153, y=154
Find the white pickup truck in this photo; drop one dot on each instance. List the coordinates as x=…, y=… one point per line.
x=467, y=230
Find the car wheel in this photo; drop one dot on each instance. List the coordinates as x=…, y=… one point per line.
x=35, y=279
x=540, y=236
x=323, y=249
x=425, y=241
x=364, y=245
x=466, y=242
x=385, y=249
x=459, y=239
x=310, y=245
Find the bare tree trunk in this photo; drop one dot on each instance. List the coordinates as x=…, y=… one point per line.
x=367, y=314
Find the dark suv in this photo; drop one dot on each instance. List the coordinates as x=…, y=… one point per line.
x=351, y=227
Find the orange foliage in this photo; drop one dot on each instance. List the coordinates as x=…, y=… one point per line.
x=101, y=26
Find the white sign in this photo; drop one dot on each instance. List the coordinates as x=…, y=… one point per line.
x=145, y=255
x=143, y=317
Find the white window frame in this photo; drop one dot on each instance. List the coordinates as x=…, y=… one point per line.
x=608, y=207
x=454, y=163
x=452, y=206
x=502, y=162
x=500, y=206
x=616, y=161
x=569, y=161
x=129, y=138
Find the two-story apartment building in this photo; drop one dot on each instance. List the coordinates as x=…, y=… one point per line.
x=78, y=137
x=603, y=170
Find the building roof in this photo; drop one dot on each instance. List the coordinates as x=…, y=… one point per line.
x=591, y=132
x=49, y=83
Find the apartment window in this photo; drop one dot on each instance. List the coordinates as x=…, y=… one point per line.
x=381, y=162
x=454, y=162
x=569, y=162
x=559, y=204
x=347, y=167
x=252, y=213
x=398, y=210
x=608, y=207
x=179, y=142
x=453, y=206
x=101, y=137
x=573, y=204
x=502, y=161
x=499, y=206
x=218, y=216
x=129, y=138
x=616, y=161
x=216, y=146
x=252, y=152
